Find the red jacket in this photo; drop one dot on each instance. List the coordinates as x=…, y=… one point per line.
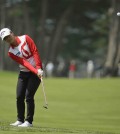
x=26, y=54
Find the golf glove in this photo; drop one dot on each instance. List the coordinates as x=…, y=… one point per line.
x=40, y=72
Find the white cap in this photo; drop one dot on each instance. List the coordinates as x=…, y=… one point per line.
x=5, y=32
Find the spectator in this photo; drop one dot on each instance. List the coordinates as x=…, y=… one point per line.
x=49, y=69
x=90, y=69
x=72, y=69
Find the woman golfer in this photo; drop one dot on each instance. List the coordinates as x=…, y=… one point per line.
x=23, y=50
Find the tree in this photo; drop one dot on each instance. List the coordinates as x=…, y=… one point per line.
x=56, y=41
x=113, y=55
x=2, y=22
x=41, y=37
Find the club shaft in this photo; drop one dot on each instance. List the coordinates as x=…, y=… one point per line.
x=43, y=89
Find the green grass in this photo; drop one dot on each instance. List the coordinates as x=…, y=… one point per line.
x=84, y=106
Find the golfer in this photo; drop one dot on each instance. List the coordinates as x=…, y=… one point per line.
x=22, y=49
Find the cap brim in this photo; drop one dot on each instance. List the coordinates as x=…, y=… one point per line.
x=5, y=36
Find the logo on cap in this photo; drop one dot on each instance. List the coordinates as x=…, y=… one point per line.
x=2, y=33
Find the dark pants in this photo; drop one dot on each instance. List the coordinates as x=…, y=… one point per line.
x=27, y=86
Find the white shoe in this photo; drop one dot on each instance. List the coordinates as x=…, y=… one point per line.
x=16, y=123
x=25, y=124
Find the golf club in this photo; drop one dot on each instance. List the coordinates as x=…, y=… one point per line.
x=45, y=99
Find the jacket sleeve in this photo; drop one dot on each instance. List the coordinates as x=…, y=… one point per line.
x=23, y=62
x=34, y=52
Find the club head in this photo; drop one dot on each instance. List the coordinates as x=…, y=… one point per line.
x=46, y=106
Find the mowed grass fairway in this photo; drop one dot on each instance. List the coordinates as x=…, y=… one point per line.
x=83, y=106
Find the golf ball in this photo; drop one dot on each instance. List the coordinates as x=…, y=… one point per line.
x=118, y=14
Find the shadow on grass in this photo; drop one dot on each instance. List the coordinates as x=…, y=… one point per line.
x=4, y=126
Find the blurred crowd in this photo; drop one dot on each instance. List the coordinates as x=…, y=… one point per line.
x=75, y=69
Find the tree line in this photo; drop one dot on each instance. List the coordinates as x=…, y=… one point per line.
x=71, y=29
